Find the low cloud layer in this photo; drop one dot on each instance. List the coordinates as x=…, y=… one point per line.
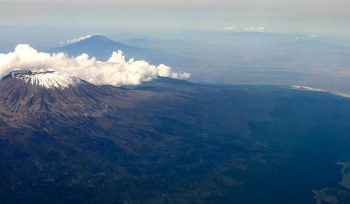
x=74, y=40
x=115, y=71
x=252, y=29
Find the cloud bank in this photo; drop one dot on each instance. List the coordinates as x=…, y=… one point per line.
x=116, y=71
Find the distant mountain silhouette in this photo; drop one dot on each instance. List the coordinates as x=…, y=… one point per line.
x=97, y=46
x=102, y=48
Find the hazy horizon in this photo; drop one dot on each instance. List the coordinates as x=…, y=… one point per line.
x=289, y=42
x=314, y=17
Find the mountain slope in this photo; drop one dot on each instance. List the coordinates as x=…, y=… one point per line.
x=26, y=94
x=169, y=141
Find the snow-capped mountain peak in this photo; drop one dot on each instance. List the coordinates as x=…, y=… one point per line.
x=46, y=79
x=25, y=93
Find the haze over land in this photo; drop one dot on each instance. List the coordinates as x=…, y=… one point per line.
x=230, y=57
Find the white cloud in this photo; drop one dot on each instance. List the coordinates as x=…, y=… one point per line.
x=252, y=29
x=75, y=40
x=115, y=71
x=308, y=88
x=229, y=28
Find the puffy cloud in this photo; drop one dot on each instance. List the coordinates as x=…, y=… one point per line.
x=115, y=71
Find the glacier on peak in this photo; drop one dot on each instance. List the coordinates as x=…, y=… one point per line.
x=46, y=79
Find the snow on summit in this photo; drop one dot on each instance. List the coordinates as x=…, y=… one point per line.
x=48, y=79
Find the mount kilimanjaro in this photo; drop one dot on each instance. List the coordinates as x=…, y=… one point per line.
x=27, y=96
x=65, y=140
